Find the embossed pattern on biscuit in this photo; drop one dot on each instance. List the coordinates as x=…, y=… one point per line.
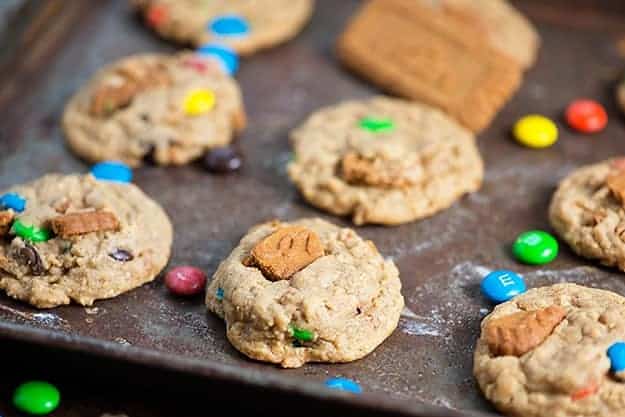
x=286, y=251
x=521, y=332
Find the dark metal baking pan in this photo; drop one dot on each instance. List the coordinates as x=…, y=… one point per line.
x=424, y=368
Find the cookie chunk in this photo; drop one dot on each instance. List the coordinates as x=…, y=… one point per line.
x=383, y=160
x=458, y=55
x=338, y=301
x=544, y=353
x=80, y=240
x=246, y=26
x=587, y=212
x=168, y=109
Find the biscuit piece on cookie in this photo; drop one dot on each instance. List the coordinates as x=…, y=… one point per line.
x=383, y=160
x=587, y=211
x=544, y=353
x=246, y=26
x=169, y=109
x=81, y=240
x=447, y=55
x=337, y=300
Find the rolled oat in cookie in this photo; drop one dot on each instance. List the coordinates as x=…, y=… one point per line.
x=154, y=108
x=109, y=239
x=587, y=211
x=383, y=160
x=545, y=353
x=323, y=294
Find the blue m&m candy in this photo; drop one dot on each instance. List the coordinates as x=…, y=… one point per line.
x=343, y=384
x=12, y=201
x=229, y=25
x=226, y=56
x=112, y=171
x=616, y=353
x=501, y=285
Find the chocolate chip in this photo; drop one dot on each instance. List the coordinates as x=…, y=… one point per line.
x=358, y=310
x=121, y=255
x=145, y=117
x=222, y=160
x=29, y=256
x=150, y=154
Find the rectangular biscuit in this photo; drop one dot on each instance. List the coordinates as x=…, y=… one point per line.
x=426, y=54
x=80, y=223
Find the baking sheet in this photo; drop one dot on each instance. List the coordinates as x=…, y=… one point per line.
x=427, y=361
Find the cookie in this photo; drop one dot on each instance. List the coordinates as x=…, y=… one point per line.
x=166, y=109
x=384, y=161
x=587, y=212
x=244, y=25
x=544, y=353
x=306, y=291
x=431, y=55
x=79, y=239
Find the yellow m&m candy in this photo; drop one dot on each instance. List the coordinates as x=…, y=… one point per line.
x=535, y=131
x=199, y=102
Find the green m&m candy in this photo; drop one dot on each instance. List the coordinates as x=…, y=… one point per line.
x=377, y=124
x=302, y=335
x=30, y=233
x=535, y=247
x=36, y=398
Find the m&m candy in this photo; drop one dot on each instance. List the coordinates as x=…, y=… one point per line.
x=199, y=102
x=535, y=247
x=30, y=233
x=224, y=55
x=377, y=124
x=229, y=26
x=185, y=280
x=343, y=384
x=112, y=171
x=535, y=131
x=36, y=397
x=12, y=201
x=616, y=353
x=501, y=285
x=586, y=116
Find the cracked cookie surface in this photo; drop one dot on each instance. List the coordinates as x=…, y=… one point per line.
x=111, y=238
x=587, y=212
x=169, y=109
x=383, y=160
x=269, y=22
x=566, y=371
x=338, y=307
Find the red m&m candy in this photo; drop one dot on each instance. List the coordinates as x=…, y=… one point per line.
x=185, y=280
x=156, y=15
x=586, y=116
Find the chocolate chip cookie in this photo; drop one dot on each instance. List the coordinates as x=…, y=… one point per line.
x=383, y=160
x=166, y=109
x=587, y=212
x=245, y=25
x=73, y=238
x=545, y=353
x=306, y=291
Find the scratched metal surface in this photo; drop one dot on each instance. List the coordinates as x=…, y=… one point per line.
x=427, y=361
